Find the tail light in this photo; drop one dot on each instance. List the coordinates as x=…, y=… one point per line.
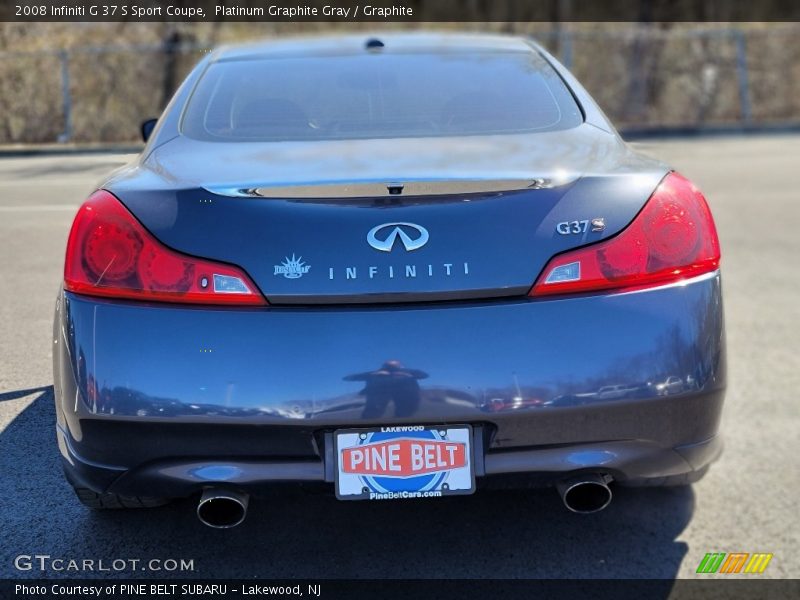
x=672, y=238
x=110, y=254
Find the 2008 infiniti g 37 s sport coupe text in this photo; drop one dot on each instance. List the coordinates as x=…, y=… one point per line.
x=402, y=267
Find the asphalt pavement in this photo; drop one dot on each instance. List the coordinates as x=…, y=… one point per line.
x=747, y=503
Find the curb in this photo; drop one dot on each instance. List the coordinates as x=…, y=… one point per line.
x=645, y=133
x=19, y=150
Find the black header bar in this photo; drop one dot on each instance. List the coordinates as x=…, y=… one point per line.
x=342, y=11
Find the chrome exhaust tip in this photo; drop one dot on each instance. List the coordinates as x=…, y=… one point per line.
x=585, y=493
x=222, y=509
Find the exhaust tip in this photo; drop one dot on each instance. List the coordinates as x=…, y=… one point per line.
x=222, y=509
x=585, y=494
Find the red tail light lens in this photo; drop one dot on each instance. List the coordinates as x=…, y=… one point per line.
x=110, y=254
x=672, y=238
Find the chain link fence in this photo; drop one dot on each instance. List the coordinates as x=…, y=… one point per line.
x=690, y=78
x=643, y=77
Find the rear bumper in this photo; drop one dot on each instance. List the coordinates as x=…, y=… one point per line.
x=156, y=400
x=630, y=460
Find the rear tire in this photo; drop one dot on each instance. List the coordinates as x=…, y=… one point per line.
x=105, y=501
x=669, y=481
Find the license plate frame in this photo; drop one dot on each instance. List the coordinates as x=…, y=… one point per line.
x=442, y=454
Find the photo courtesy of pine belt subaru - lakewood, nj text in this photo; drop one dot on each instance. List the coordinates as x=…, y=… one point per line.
x=398, y=267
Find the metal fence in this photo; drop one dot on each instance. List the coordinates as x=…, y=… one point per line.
x=643, y=77
x=91, y=94
x=689, y=78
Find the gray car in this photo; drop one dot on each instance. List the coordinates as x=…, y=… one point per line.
x=405, y=266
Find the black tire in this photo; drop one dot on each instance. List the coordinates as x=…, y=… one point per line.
x=97, y=501
x=669, y=481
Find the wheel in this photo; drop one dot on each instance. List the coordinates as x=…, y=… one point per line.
x=669, y=481
x=114, y=501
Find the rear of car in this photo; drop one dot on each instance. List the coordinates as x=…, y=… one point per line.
x=402, y=267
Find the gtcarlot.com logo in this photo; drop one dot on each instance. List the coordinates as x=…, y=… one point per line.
x=47, y=563
x=735, y=562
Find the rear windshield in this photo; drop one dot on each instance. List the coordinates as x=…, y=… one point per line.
x=378, y=96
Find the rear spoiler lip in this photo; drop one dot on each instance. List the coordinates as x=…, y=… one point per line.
x=372, y=189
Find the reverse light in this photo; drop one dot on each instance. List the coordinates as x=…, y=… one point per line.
x=672, y=238
x=110, y=254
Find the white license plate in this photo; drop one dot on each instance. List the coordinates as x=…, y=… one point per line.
x=393, y=463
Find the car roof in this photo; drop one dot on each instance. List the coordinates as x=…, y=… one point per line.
x=329, y=45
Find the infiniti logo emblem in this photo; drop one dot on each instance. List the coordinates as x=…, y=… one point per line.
x=383, y=237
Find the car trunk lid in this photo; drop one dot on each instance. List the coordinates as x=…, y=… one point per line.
x=386, y=229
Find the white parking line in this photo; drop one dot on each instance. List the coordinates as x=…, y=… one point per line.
x=43, y=181
x=40, y=208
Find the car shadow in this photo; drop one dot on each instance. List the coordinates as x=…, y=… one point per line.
x=493, y=534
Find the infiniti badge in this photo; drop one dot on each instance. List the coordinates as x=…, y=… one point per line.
x=383, y=237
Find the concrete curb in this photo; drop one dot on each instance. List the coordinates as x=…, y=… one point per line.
x=644, y=133
x=19, y=150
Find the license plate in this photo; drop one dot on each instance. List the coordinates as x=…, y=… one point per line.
x=394, y=463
